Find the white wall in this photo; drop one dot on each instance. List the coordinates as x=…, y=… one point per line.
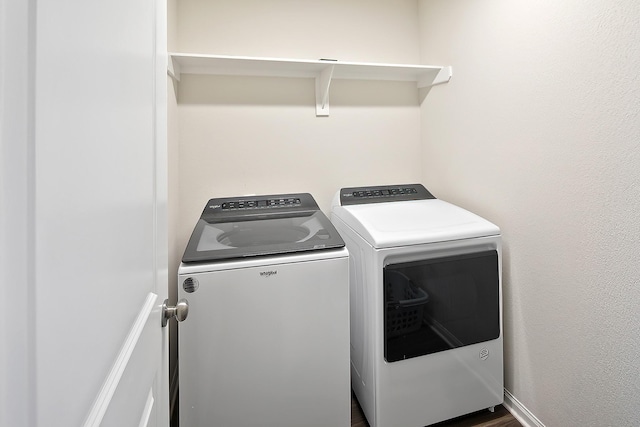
x=17, y=332
x=538, y=131
x=242, y=135
x=354, y=30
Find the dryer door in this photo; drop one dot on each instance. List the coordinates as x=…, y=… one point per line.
x=437, y=304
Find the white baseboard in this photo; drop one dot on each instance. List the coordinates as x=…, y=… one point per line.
x=520, y=412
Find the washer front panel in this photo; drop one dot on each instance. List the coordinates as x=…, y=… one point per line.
x=266, y=345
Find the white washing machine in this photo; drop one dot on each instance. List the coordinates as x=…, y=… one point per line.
x=266, y=342
x=426, y=305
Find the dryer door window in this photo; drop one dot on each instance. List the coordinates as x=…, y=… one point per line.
x=438, y=304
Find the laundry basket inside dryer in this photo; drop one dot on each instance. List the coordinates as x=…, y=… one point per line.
x=404, y=303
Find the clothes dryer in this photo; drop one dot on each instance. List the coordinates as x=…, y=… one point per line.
x=267, y=338
x=426, y=305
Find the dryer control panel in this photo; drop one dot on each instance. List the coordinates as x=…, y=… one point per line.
x=383, y=193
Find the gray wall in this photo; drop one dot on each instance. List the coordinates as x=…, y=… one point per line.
x=260, y=135
x=538, y=131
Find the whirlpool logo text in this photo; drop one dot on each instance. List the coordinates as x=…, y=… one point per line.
x=268, y=273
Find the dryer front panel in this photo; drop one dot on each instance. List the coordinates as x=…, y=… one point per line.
x=449, y=362
x=440, y=303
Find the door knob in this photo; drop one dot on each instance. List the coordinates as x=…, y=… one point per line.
x=180, y=311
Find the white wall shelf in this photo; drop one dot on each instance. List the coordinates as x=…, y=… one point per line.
x=322, y=70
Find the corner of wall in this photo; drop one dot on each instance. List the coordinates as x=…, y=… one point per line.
x=519, y=411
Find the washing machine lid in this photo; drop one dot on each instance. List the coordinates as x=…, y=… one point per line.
x=240, y=227
x=402, y=221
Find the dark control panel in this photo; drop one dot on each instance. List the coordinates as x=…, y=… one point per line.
x=385, y=193
x=276, y=204
x=261, y=203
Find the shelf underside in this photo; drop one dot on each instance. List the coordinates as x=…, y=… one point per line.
x=250, y=66
x=323, y=70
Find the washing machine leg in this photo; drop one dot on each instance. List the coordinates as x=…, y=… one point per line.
x=492, y=409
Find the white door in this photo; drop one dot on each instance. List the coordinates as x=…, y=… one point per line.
x=83, y=213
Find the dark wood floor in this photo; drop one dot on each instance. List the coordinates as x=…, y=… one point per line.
x=499, y=418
